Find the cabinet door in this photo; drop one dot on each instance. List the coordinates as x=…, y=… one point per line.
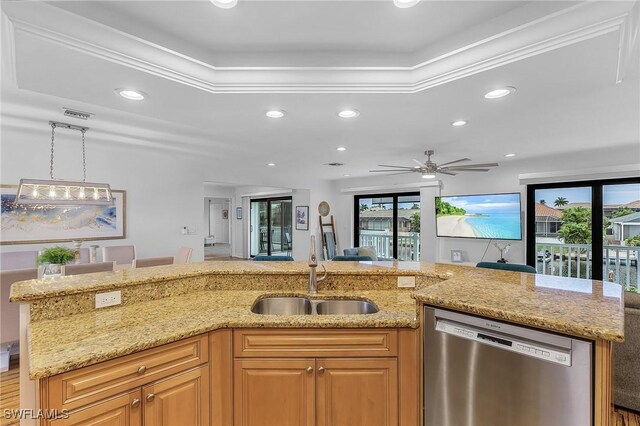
x=182, y=399
x=274, y=392
x=123, y=410
x=357, y=392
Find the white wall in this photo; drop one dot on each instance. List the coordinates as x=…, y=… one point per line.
x=502, y=179
x=164, y=190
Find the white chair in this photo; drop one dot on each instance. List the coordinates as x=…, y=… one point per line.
x=87, y=268
x=10, y=312
x=120, y=254
x=184, y=255
x=153, y=261
x=18, y=260
x=84, y=257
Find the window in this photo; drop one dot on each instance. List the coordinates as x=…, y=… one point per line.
x=390, y=223
x=585, y=230
x=271, y=232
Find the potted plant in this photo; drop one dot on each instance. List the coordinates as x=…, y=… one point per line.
x=55, y=257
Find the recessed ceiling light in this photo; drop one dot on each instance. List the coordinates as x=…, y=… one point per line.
x=346, y=175
x=500, y=93
x=349, y=113
x=428, y=176
x=510, y=155
x=459, y=123
x=224, y=4
x=403, y=4
x=271, y=164
x=341, y=148
x=275, y=113
x=132, y=95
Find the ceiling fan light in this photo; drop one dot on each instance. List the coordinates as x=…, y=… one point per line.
x=428, y=176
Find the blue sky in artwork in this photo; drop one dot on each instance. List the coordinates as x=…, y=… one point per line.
x=502, y=203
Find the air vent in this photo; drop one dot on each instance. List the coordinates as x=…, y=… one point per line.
x=334, y=164
x=77, y=114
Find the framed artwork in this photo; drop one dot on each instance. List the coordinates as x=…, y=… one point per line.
x=225, y=214
x=302, y=218
x=238, y=212
x=28, y=224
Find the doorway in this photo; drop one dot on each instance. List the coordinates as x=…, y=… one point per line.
x=271, y=232
x=217, y=241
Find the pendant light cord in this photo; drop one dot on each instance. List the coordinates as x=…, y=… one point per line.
x=84, y=152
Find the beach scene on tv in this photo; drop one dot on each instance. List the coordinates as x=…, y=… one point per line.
x=479, y=216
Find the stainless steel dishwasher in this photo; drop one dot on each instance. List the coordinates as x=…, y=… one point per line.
x=481, y=372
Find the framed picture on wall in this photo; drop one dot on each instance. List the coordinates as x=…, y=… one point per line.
x=30, y=224
x=225, y=214
x=238, y=212
x=302, y=218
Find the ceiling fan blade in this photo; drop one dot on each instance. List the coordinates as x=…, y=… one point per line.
x=390, y=171
x=462, y=169
x=446, y=173
x=456, y=161
x=420, y=163
x=470, y=166
x=397, y=167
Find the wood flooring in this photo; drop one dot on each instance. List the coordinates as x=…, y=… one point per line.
x=10, y=399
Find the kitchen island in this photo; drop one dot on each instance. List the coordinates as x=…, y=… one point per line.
x=204, y=310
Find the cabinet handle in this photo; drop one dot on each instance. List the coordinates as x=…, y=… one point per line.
x=309, y=369
x=142, y=369
x=135, y=403
x=150, y=397
x=321, y=370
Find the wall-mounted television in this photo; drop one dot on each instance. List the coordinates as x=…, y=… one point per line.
x=496, y=216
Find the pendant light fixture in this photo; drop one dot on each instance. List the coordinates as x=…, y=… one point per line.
x=62, y=192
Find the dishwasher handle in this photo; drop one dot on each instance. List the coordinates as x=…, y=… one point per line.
x=534, y=349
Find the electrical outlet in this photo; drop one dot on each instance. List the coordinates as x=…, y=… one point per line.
x=108, y=299
x=406, y=282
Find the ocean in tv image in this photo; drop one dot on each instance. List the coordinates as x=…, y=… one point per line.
x=479, y=216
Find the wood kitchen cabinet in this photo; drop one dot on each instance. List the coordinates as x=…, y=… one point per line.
x=123, y=410
x=348, y=377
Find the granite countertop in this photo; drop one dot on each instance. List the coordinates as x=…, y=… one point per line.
x=104, y=281
x=583, y=308
x=71, y=342
x=578, y=307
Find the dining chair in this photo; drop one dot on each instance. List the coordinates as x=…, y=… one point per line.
x=119, y=254
x=153, y=261
x=18, y=260
x=184, y=255
x=84, y=256
x=10, y=312
x=87, y=268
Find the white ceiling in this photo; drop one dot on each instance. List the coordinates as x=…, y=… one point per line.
x=567, y=98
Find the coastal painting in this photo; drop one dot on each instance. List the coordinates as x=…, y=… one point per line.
x=25, y=224
x=494, y=216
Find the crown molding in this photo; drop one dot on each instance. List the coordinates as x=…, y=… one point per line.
x=629, y=42
x=574, y=24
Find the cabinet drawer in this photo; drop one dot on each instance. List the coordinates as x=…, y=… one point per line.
x=85, y=385
x=315, y=343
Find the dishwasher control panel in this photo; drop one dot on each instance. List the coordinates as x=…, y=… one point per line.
x=505, y=342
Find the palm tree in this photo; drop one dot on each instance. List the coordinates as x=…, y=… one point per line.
x=543, y=202
x=560, y=201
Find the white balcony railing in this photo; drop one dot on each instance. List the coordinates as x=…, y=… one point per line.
x=408, y=245
x=620, y=263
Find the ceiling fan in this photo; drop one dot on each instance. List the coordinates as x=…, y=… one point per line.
x=429, y=169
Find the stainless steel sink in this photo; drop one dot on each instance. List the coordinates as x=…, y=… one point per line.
x=345, y=307
x=296, y=305
x=282, y=306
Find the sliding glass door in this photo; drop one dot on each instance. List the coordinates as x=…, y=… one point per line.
x=271, y=232
x=585, y=230
x=390, y=223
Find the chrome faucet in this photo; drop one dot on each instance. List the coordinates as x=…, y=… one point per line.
x=313, y=264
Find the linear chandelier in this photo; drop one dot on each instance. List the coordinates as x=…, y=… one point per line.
x=62, y=192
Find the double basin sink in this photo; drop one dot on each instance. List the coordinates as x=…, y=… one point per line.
x=304, y=306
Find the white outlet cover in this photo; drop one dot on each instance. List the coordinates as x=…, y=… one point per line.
x=111, y=298
x=406, y=282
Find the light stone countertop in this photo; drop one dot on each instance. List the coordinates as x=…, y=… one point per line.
x=583, y=308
